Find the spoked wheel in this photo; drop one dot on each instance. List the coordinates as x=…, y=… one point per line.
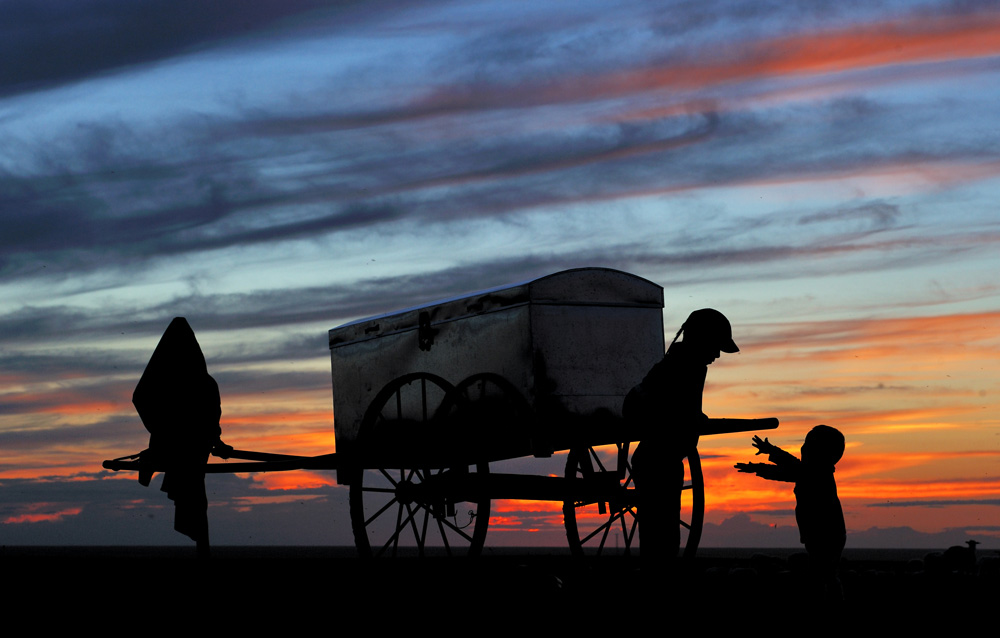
x=392, y=517
x=490, y=416
x=417, y=503
x=692, y=505
x=607, y=524
x=489, y=390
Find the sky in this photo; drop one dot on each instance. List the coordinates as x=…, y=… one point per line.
x=824, y=174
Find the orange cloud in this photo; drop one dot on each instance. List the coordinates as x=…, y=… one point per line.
x=290, y=441
x=517, y=505
x=85, y=407
x=36, y=515
x=282, y=418
x=906, y=41
x=506, y=523
x=920, y=490
x=944, y=333
x=293, y=480
x=62, y=401
x=869, y=375
x=758, y=495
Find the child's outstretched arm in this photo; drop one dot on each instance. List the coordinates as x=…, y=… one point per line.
x=768, y=471
x=783, y=466
x=763, y=447
x=774, y=453
x=749, y=468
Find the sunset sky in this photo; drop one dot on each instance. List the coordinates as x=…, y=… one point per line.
x=826, y=174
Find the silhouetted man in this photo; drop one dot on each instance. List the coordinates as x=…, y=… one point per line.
x=667, y=408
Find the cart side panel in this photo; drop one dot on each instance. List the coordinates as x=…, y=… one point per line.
x=591, y=356
x=496, y=342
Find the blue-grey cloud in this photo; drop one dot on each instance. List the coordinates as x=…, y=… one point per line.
x=114, y=200
x=44, y=42
x=107, y=432
x=99, y=510
x=876, y=215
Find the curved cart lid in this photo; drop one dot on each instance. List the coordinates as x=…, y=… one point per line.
x=578, y=286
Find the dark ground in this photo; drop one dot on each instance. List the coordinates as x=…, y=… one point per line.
x=127, y=589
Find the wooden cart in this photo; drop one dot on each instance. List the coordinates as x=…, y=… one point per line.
x=428, y=398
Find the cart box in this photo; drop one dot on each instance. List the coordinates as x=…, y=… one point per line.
x=573, y=342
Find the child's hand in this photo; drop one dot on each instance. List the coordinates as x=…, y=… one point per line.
x=763, y=447
x=748, y=468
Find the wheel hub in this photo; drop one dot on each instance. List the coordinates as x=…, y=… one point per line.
x=406, y=492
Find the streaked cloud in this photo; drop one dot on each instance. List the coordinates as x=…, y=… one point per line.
x=50, y=41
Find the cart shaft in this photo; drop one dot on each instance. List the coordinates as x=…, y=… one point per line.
x=731, y=426
x=261, y=462
x=473, y=486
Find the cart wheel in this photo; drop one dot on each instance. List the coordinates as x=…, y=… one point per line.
x=490, y=388
x=692, y=505
x=487, y=412
x=390, y=514
x=609, y=526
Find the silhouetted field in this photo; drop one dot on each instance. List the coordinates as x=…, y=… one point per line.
x=250, y=588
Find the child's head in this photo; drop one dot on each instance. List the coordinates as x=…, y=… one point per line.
x=823, y=444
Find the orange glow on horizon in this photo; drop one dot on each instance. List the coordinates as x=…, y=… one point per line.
x=308, y=443
x=518, y=505
x=62, y=402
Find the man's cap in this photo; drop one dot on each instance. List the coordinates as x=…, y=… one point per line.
x=712, y=324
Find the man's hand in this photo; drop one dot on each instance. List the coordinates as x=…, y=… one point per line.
x=222, y=450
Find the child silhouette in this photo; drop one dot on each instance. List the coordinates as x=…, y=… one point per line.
x=817, y=508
